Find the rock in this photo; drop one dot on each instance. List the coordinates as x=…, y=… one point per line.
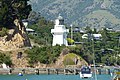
x=16, y=38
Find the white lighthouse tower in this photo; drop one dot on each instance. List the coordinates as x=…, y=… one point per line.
x=59, y=32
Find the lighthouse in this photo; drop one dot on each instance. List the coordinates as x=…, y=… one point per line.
x=59, y=32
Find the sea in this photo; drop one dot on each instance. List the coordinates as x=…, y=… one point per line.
x=52, y=77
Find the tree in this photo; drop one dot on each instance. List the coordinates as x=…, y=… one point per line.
x=45, y=54
x=12, y=9
x=105, y=37
x=42, y=28
x=3, y=32
x=5, y=59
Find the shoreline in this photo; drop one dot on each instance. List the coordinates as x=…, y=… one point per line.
x=66, y=71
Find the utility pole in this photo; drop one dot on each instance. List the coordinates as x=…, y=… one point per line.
x=71, y=33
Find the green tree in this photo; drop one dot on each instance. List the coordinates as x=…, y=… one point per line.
x=5, y=59
x=105, y=37
x=12, y=9
x=42, y=28
x=3, y=32
x=45, y=54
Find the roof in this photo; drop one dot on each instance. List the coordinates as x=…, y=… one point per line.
x=24, y=20
x=95, y=35
x=28, y=29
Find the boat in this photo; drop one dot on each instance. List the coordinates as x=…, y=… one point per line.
x=20, y=74
x=85, y=72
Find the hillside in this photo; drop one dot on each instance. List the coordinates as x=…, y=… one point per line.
x=75, y=11
x=15, y=39
x=101, y=18
x=66, y=60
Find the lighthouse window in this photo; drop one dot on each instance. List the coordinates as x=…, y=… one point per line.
x=61, y=22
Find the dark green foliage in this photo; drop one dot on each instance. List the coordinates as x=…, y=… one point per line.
x=76, y=49
x=5, y=59
x=77, y=37
x=88, y=57
x=3, y=32
x=11, y=9
x=46, y=54
x=107, y=45
x=105, y=48
x=43, y=30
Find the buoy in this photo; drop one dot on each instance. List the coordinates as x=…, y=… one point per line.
x=20, y=74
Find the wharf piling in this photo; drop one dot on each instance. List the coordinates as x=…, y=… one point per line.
x=37, y=71
x=49, y=71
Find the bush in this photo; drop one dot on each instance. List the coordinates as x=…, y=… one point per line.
x=46, y=54
x=70, y=41
x=69, y=59
x=5, y=59
x=3, y=32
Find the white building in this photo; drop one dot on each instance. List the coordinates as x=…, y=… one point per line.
x=96, y=36
x=29, y=30
x=59, y=32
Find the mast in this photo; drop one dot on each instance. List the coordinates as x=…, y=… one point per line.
x=94, y=57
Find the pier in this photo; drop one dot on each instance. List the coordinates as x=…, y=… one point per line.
x=66, y=71
x=38, y=71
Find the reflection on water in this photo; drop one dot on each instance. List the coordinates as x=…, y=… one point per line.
x=51, y=77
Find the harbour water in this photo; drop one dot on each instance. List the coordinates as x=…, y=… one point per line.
x=51, y=77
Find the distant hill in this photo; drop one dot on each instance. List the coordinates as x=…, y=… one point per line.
x=93, y=13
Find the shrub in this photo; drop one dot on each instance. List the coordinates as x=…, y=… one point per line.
x=70, y=41
x=5, y=59
x=3, y=32
x=46, y=54
x=69, y=59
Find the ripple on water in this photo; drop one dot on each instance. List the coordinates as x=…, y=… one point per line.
x=50, y=77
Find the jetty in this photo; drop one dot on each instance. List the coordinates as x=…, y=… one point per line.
x=66, y=71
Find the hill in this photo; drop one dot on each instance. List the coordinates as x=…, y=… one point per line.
x=101, y=18
x=75, y=11
x=16, y=60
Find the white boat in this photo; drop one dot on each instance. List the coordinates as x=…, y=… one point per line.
x=85, y=72
x=20, y=74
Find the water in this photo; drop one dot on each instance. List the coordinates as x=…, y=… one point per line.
x=50, y=77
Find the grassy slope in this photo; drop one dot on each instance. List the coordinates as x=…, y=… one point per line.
x=69, y=59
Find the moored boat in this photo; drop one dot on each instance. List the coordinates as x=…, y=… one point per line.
x=85, y=72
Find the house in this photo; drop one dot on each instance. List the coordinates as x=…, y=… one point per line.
x=77, y=29
x=96, y=36
x=28, y=30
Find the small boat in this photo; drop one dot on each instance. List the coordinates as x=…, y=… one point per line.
x=85, y=72
x=20, y=74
